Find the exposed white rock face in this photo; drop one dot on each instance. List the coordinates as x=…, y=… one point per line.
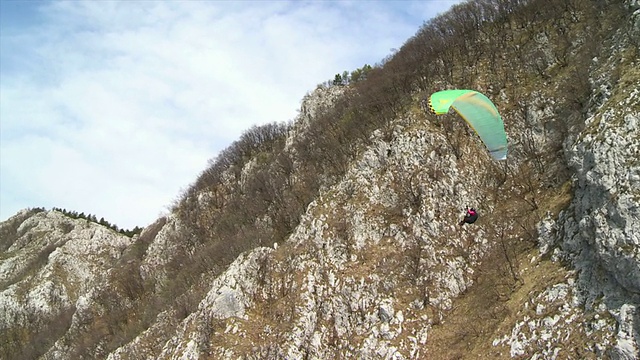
x=606, y=210
x=75, y=254
x=602, y=228
x=230, y=295
x=55, y=264
x=318, y=99
x=600, y=235
x=553, y=319
x=158, y=255
x=312, y=103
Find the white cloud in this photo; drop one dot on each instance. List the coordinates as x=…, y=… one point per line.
x=113, y=107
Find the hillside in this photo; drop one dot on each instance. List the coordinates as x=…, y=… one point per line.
x=337, y=236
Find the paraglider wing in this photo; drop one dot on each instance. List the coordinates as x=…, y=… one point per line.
x=479, y=112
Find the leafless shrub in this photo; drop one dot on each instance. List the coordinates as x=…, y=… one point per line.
x=526, y=185
x=410, y=191
x=509, y=256
x=186, y=304
x=414, y=264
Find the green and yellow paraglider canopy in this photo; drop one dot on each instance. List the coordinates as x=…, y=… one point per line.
x=479, y=112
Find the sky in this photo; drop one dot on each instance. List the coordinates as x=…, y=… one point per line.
x=114, y=108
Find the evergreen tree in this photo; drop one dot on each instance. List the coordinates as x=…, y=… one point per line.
x=337, y=80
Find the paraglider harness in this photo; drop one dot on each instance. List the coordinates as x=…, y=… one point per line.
x=470, y=217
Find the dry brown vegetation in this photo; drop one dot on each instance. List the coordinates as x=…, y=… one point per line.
x=504, y=282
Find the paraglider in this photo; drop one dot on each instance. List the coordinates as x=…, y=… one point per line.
x=479, y=112
x=470, y=217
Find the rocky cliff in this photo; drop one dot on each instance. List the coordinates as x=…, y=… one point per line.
x=337, y=236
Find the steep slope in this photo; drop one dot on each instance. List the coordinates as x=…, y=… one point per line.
x=54, y=272
x=337, y=236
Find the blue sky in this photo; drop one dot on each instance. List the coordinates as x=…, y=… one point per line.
x=114, y=107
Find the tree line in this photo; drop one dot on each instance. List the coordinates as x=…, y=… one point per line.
x=93, y=218
x=346, y=77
